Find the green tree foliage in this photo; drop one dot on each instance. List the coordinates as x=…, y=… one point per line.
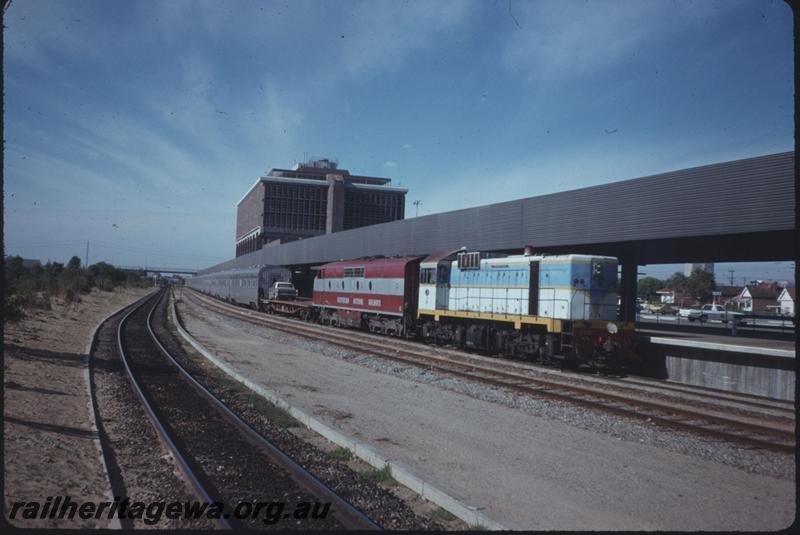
x=34, y=287
x=648, y=286
x=74, y=263
x=700, y=284
x=13, y=300
x=677, y=282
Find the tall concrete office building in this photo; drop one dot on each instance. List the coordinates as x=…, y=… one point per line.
x=688, y=269
x=313, y=198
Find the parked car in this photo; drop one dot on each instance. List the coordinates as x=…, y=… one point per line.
x=710, y=312
x=664, y=310
x=282, y=290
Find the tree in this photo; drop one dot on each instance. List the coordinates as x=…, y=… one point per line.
x=677, y=283
x=700, y=284
x=74, y=280
x=74, y=263
x=648, y=286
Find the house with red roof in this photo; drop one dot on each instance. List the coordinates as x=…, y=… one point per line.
x=758, y=298
x=727, y=294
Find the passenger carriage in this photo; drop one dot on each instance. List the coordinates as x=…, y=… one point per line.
x=245, y=287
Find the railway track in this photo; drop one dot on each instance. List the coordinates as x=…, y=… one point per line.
x=220, y=455
x=742, y=420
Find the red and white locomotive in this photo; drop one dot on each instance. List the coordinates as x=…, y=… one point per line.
x=377, y=293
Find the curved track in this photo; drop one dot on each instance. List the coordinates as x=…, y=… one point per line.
x=207, y=438
x=739, y=419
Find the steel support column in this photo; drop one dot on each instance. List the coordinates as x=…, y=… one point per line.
x=628, y=283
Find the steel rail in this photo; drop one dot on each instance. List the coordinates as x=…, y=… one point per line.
x=183, y=465
x=635, y=388
x=114, y=477
x=350, y=517
x=547, y=388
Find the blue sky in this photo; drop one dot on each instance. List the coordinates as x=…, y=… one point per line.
x=139, y=125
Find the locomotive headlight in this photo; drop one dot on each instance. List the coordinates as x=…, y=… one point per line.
x=611, y=328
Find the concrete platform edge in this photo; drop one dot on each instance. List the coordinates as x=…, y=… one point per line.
x=720, y=347
x=468, y=513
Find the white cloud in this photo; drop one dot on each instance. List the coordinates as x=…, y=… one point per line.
x=389, y=163
x=408, y=147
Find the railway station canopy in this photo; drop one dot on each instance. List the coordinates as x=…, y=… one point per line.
x=742, y=210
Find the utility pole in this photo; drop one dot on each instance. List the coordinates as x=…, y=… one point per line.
x=731, y=272
x=416, y=204
x=86, y=260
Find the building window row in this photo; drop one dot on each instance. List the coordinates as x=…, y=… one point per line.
x=248, y=245
x=369, y=208
x=295, y=207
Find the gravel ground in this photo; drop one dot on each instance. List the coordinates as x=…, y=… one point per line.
x=234, y=341
x=231, y=468
x=379, y=504
x=140, y=467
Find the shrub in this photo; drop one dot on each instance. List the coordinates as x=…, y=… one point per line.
x=382, y=475
x=12, y=308
x=341, y=454
x=41, y=301
x=104, y=283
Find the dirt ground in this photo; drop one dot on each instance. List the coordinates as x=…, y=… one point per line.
x=49, y=446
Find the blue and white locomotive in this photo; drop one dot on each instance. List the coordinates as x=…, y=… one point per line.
x=544, y=307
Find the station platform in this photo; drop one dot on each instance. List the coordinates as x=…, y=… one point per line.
x=758, y=366
x=721, y=342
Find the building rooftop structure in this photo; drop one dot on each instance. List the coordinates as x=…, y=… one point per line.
x=315, y=197
x=319, y=170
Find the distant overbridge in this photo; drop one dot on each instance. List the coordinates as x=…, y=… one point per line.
x=160, y=270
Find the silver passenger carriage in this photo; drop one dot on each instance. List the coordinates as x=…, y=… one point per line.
x=241, y=286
